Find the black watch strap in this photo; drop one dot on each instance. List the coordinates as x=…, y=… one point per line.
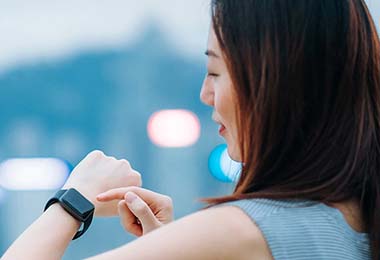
x=54, y=199
x=76, y=205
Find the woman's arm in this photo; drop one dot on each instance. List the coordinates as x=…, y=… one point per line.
x=49, y=236
x=217, y=233
x=220, y=233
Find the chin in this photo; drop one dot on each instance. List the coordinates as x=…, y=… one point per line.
x=234, y=154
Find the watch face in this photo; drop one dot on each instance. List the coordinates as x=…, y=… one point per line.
x=77, y=204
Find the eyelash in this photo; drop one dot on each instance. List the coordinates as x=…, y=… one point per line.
x=212, y=74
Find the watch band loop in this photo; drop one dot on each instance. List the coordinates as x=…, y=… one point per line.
x=76, y=205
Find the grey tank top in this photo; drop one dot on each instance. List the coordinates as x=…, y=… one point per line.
x=305, y=230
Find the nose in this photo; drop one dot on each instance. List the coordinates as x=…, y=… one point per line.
x=207, y=93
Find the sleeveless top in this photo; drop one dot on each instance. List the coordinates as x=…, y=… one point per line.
x=305, y=230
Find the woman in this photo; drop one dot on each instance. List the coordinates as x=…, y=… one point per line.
x=295, y=87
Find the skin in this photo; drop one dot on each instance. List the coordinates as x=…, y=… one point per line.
x=217, y=92
x=223, y=232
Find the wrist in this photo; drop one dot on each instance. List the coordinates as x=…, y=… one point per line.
x=76, y=205
x=57, y=209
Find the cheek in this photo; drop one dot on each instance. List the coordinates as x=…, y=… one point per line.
x=226, y=105
x=223, y=98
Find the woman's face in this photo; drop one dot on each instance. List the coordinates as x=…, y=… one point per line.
x=217, y=92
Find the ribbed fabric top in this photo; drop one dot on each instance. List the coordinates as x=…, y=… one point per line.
x=305, y=230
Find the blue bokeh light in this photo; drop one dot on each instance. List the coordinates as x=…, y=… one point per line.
x=222, y=167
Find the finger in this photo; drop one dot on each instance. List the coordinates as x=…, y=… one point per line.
x=142, y=211
x=128, y=220
x=148, y=196
x=114, y=194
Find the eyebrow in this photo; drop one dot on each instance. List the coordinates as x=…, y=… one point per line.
x=211, y=53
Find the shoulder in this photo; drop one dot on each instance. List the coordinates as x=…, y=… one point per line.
x=231, y=229
x=240, y=232
x=223, y=232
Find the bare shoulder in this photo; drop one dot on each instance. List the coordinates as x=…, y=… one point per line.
x=224, y=232
x=248, y=236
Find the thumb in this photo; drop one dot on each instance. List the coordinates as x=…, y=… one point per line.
x=142, y=211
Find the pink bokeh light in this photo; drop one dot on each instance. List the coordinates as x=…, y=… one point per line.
x=174, y=128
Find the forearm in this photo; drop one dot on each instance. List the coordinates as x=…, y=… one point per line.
x=47, y=238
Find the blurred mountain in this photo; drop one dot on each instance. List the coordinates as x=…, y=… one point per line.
x=96, y=99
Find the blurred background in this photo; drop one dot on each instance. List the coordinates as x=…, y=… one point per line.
x=121, y=76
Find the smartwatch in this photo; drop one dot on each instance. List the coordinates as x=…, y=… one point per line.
x=76, y=205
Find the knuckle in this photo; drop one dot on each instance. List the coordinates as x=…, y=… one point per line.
x=96, y=154
x=111, y=158
x=133, y=178
x=124, y=163
x=134, y=189
x=167, y=202
x=141, y=210
x=137, y=176
x=135, y=173
x=135, y=182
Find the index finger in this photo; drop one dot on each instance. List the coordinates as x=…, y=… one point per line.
x=119, y=193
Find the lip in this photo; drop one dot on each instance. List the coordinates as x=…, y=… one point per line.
x=222, y=129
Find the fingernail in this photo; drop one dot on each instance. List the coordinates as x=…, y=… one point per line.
x=130, y=197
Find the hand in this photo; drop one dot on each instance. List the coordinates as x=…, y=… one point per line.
x=98, y=173
x=140, y=210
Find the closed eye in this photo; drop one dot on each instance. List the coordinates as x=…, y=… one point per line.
x=209, y=74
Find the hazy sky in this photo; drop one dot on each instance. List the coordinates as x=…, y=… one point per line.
x=47, y=29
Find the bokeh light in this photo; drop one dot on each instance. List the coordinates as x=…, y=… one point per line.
x=33, y=174
x=174, y=128
x=222, y=167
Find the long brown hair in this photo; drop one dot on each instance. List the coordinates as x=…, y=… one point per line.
x=306, y=76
